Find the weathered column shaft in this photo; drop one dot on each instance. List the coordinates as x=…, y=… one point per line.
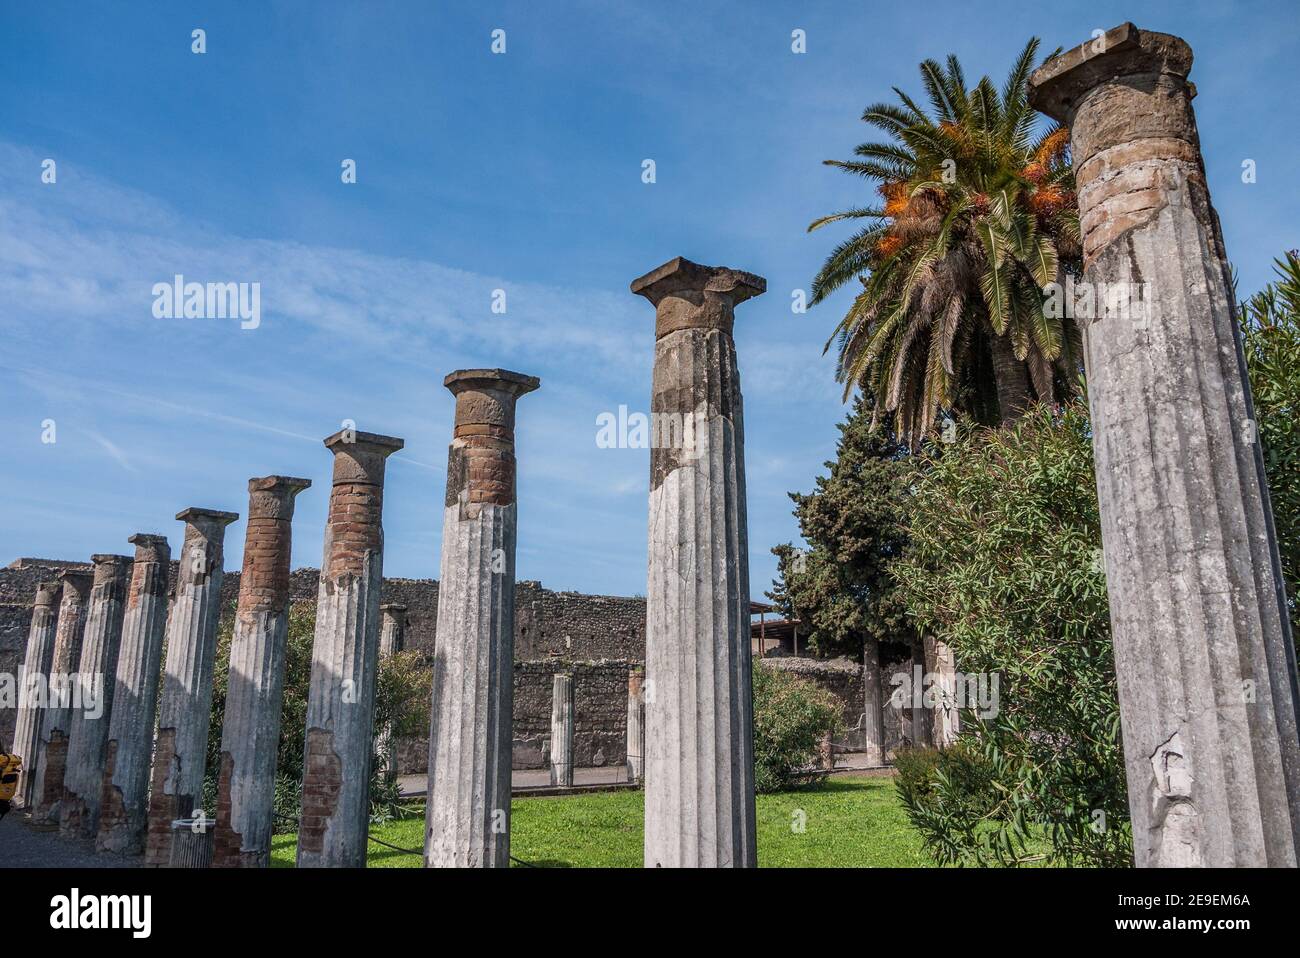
x=920, y=734
x=250, y=728
x=562, y=730
x=185, y=711
x=467, y=819
x=344, y=659
x=123, y=804
x=56, y=718
x=635, y=725
x=84, y=778
x=31, y=687
x=1203, y=654
x=699, y=800
x=873, y=703
x=946, y=717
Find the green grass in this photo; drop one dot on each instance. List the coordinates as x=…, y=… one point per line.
x=848, y=823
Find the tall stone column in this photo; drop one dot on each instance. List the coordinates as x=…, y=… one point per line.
x=32, y=685
x=392, y=628
x=699, y=799
x=123, y=803
x=344, y=658
x=635, y=725
x=185, y=711
x=920, y=734
x=467, y=819
x=56, y=719
x=1203, y=654
x=392, y=639
x=250, y=728
x=873, y=702
x=83, y=779
x=946, y=716
x=562, y=730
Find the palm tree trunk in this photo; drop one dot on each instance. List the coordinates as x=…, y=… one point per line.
x=1011, y=377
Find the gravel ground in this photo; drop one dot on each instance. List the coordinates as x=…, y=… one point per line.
x=22, y=846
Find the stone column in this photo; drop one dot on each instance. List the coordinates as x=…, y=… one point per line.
x=123, y=803
x=635, y=725
x=344, y=658
x=699, y=800
x=392, y=628
x=32, y=685
x=250, y=728
x=947, y=718
x=392, y=639
x=56, y=719
x=1203, y=653
x=84, y=777
x=185, y=711
x=562, y=730
x=873, y=719
x=920, y=734
x=467, y=820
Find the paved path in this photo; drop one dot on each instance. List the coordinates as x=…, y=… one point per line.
x=22, y=846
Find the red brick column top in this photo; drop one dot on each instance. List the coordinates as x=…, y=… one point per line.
x=47, y=595
x=481, y=462
x=264, y=584
x=153, y=558
x=354, y=527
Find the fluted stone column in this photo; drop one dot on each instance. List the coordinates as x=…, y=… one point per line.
x=123, y=804
x=562, y=730
x=250, y=728
x=84, y=778
x=921, y=732
x=467, y=818
x=1203, y=654
x=699, y=799
x=946, y=717
x=344, y=659
x=392, y=639
x=32, y=686
x=392, y=628
x=185, y=712
x=635, y=725
x=873, y=702
x=56, y=719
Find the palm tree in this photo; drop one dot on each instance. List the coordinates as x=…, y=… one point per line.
x=978, y=217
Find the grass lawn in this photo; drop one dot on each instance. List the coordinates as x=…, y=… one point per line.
x=848, y=823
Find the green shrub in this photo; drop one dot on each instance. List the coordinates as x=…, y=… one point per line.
x=1003, y=565
x=791, y=717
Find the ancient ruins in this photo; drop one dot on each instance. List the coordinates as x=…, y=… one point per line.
x=660, y=689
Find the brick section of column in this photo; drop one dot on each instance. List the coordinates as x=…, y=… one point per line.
x=345, y=652
x=699, y=800
x=123, y=802
x=185, y=711
x=32, y=684
x=1203, y=654
x=636, y=725
x=97, y=671
x=467, y=813
x=56, y=720
x=250, y=733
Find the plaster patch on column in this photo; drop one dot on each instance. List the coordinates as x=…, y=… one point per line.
x=1175, y=821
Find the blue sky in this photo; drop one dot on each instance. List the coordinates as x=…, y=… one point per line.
x=475, y=172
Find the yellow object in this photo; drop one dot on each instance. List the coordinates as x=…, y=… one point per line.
x=9, y=766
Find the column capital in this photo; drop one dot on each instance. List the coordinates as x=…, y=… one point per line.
x=272, y=497
x=109, y=567
x=206, y=517
x=47, y=594
x=393, y=608
x=687, y=295
x=77, y=581
x=1061, y=84
x=150, y=547
x=485, y=399
x=359, y=456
